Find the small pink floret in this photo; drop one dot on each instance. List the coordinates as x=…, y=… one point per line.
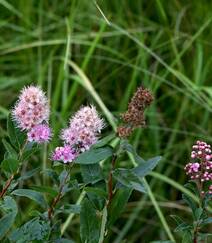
x=64, y=154
x=39, y=133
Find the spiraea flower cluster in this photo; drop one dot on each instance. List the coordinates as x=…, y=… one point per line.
x=65, y=154
x=39, y=133
x=83, y=131
x=31, y=114
x=134, y=116
x=200, y=168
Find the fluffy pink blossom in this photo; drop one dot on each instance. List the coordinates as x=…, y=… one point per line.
x=39, y=133
x=84, y=128
x=32, y=108
x=65, y=154
x=200, y=169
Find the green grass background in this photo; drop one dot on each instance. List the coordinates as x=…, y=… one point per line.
x=84, y=52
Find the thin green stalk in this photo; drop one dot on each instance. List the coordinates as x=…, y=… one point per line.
x=159, y=212
x=103, y=225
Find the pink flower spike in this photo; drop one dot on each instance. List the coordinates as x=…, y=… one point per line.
x=65, y=154
x=40, y=133
x=32, y=108
x=84, y=128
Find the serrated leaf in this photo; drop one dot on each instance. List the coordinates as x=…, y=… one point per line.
x=177, y=219
x=94, y=156
x=183, y=227
x=91, y=173
x=117, y=204
x=187, y=237
x=90, y=223
x=129, y=179
x=8, y=205
x=33, y=195
x=35, y=230
x=144, y=168
x=10, y=165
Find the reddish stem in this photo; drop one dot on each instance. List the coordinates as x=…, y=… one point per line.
x=58, y=197
x=8, y=183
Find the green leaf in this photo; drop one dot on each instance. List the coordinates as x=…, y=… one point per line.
x=63, y=240
x=98, y=191
x=91, y=173
x=8, y=205
x=90, y=223
x=94, y=156
x=11, y=151
x=10, y=165
x=5, y=224
x=207, y=198
x=187, y=237
x=183, y=227
x=52, y=174
x=70, y=208
x=104, y=141
x=207, y=221
x=190, y=203
x=129, y=179
x=118, y=203
x=125, y=146
x=29, y=174
x=96, y=195
x=35, y=230
x=28, y=152
x=33, y=195
x=177, y=219
x=16, y=136
x=45, y=189
x=144, y=168
x=198, y=213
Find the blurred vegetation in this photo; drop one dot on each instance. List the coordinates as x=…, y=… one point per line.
x=118, y=45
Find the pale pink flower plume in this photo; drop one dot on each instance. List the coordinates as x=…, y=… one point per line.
x=39, y=133
x=32, y=108
x=200, y=169
x=65, y=154
x=84, y=128
x=83, y=131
